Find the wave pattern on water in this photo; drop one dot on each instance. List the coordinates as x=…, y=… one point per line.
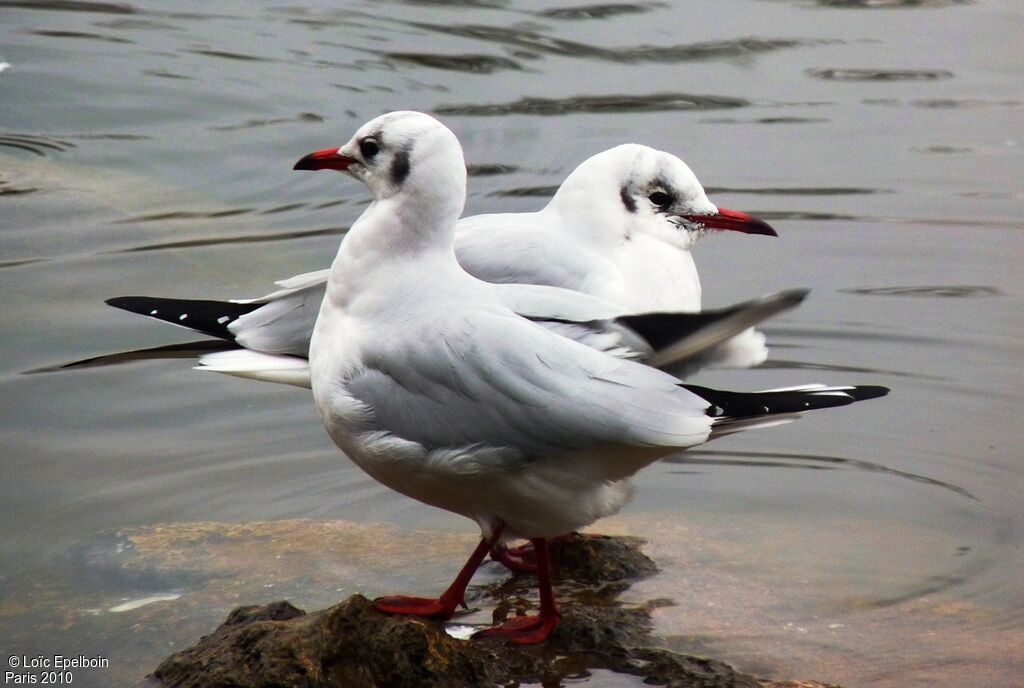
x=598, y=11
x=493, y=170
x=808, y=461
x=223, y=241
x=48, y=33
x=946, y=291
x=255, y=123
x=888, y=4
x=838, y=74
x=768, y=120
x=69, y=6
x=34, y=144
x=8, y=188
x=526, y=192
x=471, y=63
x=529, y=43
x=655, y=102
x=799, y=191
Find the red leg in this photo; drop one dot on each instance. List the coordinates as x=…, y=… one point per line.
x=444, y=606
x=530, y=630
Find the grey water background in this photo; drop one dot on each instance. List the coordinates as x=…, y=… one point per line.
x=146, y=148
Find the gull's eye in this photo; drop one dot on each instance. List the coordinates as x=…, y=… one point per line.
x=659, y=198
x=369, y=147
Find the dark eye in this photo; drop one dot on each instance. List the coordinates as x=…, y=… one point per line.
x=659, y=198
x=369, y=148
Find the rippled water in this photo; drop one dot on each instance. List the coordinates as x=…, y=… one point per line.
x=146, y=147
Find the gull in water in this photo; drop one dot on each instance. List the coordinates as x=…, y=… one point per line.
x=450, y=390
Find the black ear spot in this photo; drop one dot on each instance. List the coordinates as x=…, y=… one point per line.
x=400, y=167
x=627, y=200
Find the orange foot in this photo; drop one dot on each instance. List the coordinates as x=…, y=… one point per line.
x=415, y=606
x=522, y=630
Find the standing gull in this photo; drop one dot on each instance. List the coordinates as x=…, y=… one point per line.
x=444, y=388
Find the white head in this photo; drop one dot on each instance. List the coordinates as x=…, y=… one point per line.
x=402, y=152
x=633, y=189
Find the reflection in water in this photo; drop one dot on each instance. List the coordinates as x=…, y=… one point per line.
x=812, y=462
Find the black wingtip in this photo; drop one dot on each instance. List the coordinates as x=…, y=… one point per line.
x=734, y=405
x=208, y=317
x=862, y=392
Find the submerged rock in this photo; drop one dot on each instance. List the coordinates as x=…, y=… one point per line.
x=351, y=644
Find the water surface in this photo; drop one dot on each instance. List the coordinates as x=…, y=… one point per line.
x=146, y=148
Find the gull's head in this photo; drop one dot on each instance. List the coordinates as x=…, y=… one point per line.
x=399, y=152
x=633, y=189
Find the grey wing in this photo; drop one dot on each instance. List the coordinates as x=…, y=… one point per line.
x=284, y=324
x=496, y=380
x=518, y=249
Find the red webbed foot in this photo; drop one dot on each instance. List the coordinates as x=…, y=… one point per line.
x=416, y=606
x=522, y=630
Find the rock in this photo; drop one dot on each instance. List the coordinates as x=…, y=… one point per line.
x=353, y=645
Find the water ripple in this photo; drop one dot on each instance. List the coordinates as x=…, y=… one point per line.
x=167, y=75
x=69, y=6
x=947, y=291
x=954, y=103
x=223, y=241
x=533, y=44
x=886, y=4
x=836, y=74
x=34, y=144
x=472, y=63
x=798, y=190
x=597, y=11
x=490, y=170
x=48, y=33
x=254, y=123
x=228, y=55
x=655, y=102
x=768, y=120
x=7, y=188
x=186, y=215
x=525, y=192
x=808, y=461
x=780, y=364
